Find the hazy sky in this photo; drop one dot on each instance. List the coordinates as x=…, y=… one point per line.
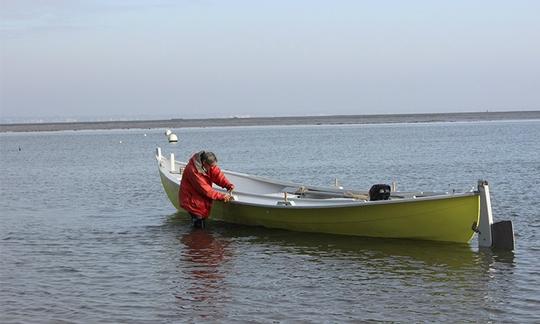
x=186, y=59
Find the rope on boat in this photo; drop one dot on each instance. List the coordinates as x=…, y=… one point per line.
x=356, y=196
x=303, y=190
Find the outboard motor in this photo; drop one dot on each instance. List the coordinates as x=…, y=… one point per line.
x=379, y=192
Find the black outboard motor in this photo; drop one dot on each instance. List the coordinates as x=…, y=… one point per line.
x=379, y=192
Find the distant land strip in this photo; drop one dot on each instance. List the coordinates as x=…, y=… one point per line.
x=271, y=121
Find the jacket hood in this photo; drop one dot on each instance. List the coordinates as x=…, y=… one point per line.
x=198, y=163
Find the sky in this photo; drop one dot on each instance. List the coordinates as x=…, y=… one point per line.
x=99, y=59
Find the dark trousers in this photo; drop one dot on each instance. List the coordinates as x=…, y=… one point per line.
x=197, y=221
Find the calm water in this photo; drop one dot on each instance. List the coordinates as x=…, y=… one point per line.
x=88, y=235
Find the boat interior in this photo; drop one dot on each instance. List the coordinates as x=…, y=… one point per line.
x=262, y=191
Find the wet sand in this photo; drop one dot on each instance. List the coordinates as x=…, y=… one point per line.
x=268, y=121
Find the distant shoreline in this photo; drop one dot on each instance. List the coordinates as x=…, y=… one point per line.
x=274, y=121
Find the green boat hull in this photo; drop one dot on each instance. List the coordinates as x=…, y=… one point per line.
x=448, y=218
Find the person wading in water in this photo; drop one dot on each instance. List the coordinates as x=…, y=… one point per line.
x=196, y=194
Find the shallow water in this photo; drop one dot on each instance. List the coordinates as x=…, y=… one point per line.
x=88, y=235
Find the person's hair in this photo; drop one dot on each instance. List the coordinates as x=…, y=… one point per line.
x=208, y=157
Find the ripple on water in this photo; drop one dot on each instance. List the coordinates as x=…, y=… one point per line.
x=101, y=243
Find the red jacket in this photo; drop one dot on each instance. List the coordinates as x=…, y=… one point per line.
x=196, y=193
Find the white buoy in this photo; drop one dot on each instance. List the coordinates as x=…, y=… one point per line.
x=173, y=138
x=168, y=132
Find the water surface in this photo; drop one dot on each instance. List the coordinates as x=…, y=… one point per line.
x=88, y=235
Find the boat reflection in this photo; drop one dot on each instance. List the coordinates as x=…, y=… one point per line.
x=205, y=253
x=434, y=272
x=393, y=255
x=202, y=259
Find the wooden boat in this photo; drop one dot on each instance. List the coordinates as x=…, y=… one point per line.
x=452, y=217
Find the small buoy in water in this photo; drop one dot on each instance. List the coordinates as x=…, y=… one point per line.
x=145, y=135
x=173, y=138
x=19, y=148
x=120, y=142
x=168, y=132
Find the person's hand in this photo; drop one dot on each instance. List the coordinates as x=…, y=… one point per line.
x=228, y=198
x=231, y=188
